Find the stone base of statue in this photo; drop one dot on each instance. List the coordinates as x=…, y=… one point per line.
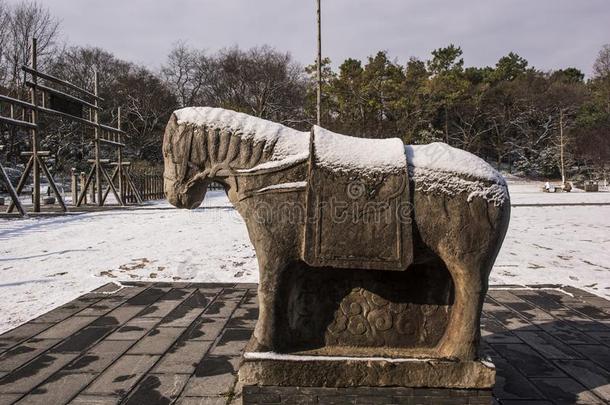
x=270, y=395
x=270, y=378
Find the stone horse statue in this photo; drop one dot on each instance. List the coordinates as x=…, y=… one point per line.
x=366, y=247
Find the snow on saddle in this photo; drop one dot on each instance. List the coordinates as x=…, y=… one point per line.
x=358, y=210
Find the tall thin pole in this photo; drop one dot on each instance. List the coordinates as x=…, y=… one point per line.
x=561, y=146
x=120, y=159
x=319, y=92
x=98, y=168
x=34, y=97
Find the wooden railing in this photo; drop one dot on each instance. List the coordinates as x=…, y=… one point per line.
x=148, y=186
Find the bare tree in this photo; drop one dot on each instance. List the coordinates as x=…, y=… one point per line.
x=4, y=24
x=186, y=72
x=601, y=67
x=261, y=82
x=121, y=84
x=145, y=116
x=565, y=99
x=77, y=65
x=601, y=71
x=471, y=123
x=28, y=19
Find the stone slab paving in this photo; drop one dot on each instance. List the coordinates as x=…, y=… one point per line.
x=181, y=343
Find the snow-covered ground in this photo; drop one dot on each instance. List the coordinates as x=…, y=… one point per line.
x=47, y=262
x=556, y=244
x=530, y=193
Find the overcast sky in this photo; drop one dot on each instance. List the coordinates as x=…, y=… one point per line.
x=549, y=33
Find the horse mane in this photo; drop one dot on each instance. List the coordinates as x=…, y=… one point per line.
x=227, y=138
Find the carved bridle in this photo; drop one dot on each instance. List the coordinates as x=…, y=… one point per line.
x=219, y=170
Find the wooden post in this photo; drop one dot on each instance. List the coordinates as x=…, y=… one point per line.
x=120, y=159
x=92, y=188
x=319, y=92
x=561, y=145
x=147, y=186
x=21, y=183
x=11, y=191
x=128, y=189
x=83, y=181
x=137, y=188
x=53, y=186
x=127, y=195
x=98, y=167
x=34, y=131
x=74, y=185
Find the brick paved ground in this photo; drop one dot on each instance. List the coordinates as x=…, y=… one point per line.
x=180, y=343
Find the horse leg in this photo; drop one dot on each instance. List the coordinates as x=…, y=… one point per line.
x=462, y=335
x=271, y=268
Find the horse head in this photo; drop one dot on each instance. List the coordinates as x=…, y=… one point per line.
x=203, y=144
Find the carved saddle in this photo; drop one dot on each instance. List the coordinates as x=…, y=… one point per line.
x=358, y=209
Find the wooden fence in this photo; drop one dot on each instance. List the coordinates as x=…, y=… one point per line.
x=215, y=186
x=148, y=186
